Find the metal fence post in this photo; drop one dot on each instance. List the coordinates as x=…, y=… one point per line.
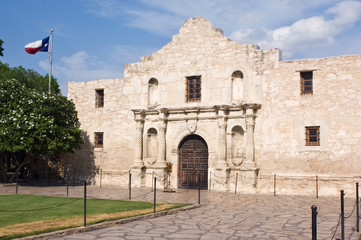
x=274, y=184
x=235, y=188
x=210, y=180
x=199, y=189
x=17, y=185
x=130, y=186
x=84, y=203
x=101, y=177
x=357, y=210
x=152, y=181
x=67, y=188
x=342, y=216
x=155, y=192
x=314, y=222
x=316, y=186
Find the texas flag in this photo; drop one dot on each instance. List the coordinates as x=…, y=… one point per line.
x=34, y=47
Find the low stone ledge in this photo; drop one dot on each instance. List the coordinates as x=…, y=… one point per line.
x=96, y=226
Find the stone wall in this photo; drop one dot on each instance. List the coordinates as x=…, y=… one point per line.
x=241, y=85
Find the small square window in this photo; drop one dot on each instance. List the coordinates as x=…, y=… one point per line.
x=99, y=98
x=313, y=136
x=99, y=139
x=193, y=93
x=306, y=82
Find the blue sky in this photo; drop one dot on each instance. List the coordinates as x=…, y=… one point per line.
x=93, y=39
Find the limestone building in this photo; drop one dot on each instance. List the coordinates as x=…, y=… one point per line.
x=205, y=109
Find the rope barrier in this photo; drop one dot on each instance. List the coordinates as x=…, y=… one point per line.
x=38, y=209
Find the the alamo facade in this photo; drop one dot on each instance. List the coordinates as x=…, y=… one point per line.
x=207, y=110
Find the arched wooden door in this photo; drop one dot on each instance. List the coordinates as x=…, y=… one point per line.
x=193, y=162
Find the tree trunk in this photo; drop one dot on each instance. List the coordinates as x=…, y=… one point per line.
x=3, y=166
x=18, y=169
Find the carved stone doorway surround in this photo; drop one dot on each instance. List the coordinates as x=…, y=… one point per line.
x=219, y=176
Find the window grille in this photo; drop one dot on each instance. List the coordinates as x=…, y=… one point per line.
x=313, y=136
x=306, y=83
x=99, y=98
x=193, y=91
x=99, y=138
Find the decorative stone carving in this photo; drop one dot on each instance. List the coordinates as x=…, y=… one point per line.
x=192, y=125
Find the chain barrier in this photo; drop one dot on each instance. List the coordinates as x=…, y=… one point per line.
x=228, y=177
x=338, y=224
x=44, y=208
x=141, y=195
x=354, y=207
x=159, y=177
x=121, y=173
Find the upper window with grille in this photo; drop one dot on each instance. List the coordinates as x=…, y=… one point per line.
x=99, y=138
x=306, y=82
x=313, y=136
x=99, y=98
x=193, y=93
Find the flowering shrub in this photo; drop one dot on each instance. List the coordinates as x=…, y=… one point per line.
x=36, y=122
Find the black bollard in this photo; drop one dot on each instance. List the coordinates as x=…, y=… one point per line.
x=67, y=188
x=84, y=203
x=101, y=177
x=130, y=186
x=316, y=186
x=314, y=222
x=199, y=189
x=155, y=192
x=17, y=186
x=274, y=185
x=357, y=210
x=342, y=216
x=235, y=188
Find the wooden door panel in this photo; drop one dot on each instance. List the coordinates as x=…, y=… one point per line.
x=193, y=159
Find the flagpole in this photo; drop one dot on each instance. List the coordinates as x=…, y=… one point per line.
x=50, y=57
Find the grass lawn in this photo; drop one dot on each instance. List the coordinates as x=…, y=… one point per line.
x=24, y=215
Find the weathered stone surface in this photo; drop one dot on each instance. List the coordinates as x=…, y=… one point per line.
x=242, y=87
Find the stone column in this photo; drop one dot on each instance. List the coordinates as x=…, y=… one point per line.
x=138, y=161
x=222, y=144
x=249, y=171
x=137, y=166
x=161, y=144
x=250, y=138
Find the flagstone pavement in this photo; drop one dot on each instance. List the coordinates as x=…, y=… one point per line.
x=220, y=216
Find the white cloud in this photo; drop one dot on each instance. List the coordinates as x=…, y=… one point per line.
x=312, y=32
x=296, y=27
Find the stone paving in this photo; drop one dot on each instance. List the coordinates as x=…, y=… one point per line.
x=221, y=215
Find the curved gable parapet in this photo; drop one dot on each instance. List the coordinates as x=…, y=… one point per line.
x=199, y=44
x=199, y=25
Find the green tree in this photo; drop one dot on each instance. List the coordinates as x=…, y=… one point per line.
x=1, y=48
x=33, y=122
x=29, y=78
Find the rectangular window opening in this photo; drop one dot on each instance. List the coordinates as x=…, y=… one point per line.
x=99, y=139
x=193, y=89
x=306, y=83
x=312, y=136
x=99, y=98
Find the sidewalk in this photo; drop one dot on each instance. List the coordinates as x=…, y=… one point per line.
x=221, y=216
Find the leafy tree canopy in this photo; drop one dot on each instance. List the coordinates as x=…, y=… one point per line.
x=36, y=122
x=29, y=78
x=1, y=48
